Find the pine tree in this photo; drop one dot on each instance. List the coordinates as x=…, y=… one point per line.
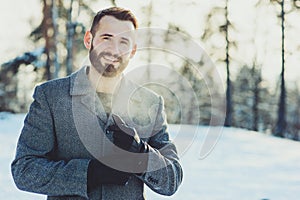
x=224, y=29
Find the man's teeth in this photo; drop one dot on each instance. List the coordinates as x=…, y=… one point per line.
x=108, y=58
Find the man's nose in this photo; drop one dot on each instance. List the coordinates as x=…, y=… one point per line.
x=114, y=47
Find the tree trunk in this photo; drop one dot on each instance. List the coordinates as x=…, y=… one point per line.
x=281, y=123
x=55, y=32
x=46, y=31
x=49, y=33
x=70, y=35
x=257, y=78
x=228, y=119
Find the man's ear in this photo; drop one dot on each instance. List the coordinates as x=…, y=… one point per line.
x=88, y=37
x=133, y=51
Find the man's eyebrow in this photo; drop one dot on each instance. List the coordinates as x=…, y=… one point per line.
x=124, y=38
x=106, y=35
x=110, y=35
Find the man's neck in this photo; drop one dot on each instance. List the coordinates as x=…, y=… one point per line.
x=102, y=83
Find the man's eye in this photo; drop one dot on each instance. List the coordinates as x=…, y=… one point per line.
x=106, y=38
x=124, y=42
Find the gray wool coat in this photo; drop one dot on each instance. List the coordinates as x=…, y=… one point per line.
x=65, y=128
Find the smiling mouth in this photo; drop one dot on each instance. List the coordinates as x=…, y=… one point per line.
x=110, y=59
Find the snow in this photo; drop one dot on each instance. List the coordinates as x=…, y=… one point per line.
x=242, y=165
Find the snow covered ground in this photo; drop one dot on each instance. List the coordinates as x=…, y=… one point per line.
x=243, y=165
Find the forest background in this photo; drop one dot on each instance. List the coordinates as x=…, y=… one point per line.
x=253, y=45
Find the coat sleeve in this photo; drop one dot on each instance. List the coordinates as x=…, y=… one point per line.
x=164, y=173
x=33, y=169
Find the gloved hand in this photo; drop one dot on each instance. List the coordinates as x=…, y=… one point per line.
x=99, y=173
x=126, y=137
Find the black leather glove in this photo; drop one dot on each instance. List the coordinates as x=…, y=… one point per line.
x=126, y=137
x=98, y=174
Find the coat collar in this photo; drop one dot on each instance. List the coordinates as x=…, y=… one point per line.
x=81, y=87
x=80, y=84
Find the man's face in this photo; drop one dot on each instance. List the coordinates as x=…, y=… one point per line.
x=112, y=46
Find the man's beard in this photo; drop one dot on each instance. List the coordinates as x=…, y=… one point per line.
x=106, y=69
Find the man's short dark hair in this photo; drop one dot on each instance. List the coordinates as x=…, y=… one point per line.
x=117, y=12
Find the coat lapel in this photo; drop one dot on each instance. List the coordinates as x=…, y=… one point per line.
x=128, y=103
x=82, y=88
x=124, y=97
